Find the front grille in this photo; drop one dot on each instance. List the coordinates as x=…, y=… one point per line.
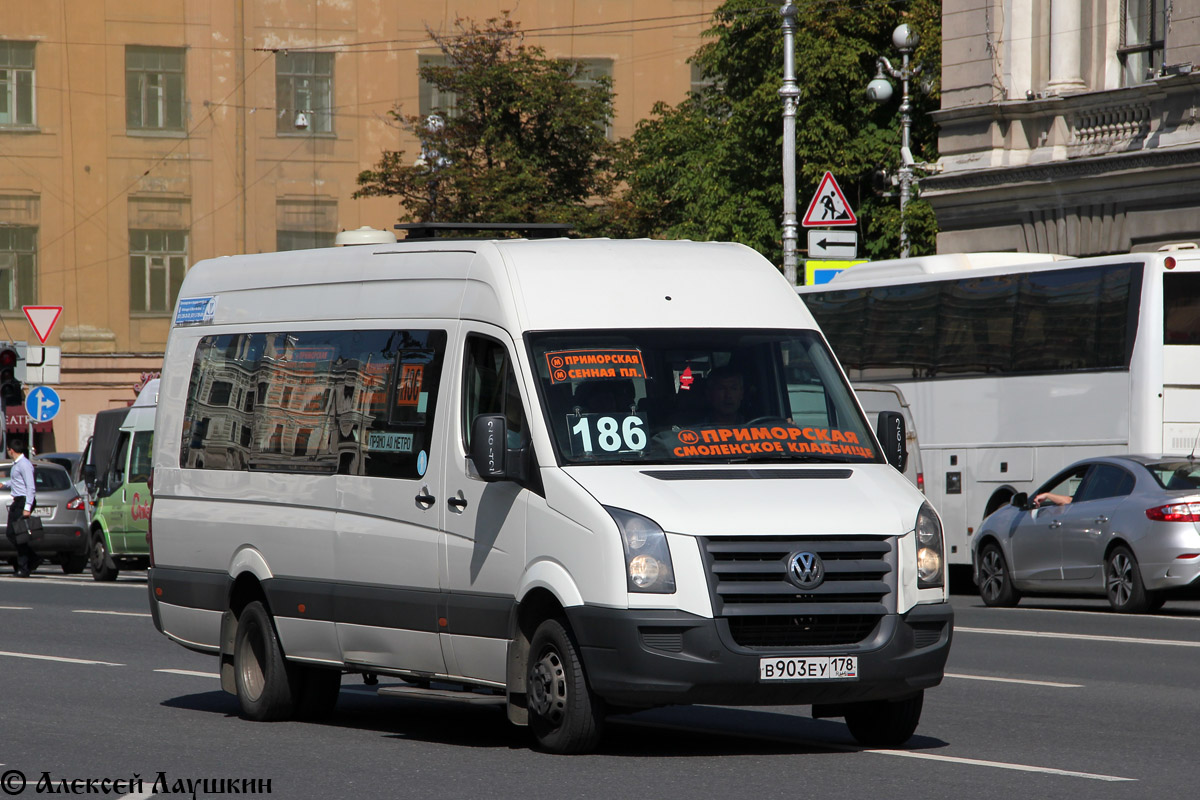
x=751, y=590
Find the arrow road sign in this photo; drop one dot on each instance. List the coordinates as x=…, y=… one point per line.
x=42, y=404
x=833, y=244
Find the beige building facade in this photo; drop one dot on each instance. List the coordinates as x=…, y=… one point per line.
x=1068, y=126
x=138, y=137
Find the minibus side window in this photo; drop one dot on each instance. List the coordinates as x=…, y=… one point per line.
x=490, y=387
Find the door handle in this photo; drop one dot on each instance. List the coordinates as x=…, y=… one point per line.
x=425, y=499
x=1100, y=520
x=1056, y=524
x=458, y=503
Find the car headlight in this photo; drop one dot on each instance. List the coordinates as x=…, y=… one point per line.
x=647, y=557
x=930, y=557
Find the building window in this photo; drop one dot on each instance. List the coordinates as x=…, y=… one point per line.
x=154, y=88
x=18, y=261
x=303, y=240
x=157, y=262
x=1143, y=25
x=591, y=71
x=431, y=99
x=304, y=85
x=16, y=84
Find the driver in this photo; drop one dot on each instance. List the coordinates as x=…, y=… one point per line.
x=724, y=389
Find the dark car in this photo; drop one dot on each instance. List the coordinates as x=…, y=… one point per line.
x=63, y=513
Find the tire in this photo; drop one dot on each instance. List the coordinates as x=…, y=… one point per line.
x=995, y=581
x=73, y=565
x=317, y=692
x=885, y=723
x=1123, y=582
x=98, y=556
x=266, y=683
x=564, y=715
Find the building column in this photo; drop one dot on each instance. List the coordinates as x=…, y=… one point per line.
x=1066, y=36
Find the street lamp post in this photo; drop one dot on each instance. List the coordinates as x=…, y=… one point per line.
x=905, y=39
x=790, y=94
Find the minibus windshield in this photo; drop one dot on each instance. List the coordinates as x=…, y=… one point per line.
x=697, y=395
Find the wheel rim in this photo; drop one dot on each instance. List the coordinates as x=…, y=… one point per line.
x=1120, y=579
x=992, y=570
x=250, y=665
x=548, y=687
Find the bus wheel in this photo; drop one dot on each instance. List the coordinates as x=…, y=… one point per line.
x=264, y=679
x=101, y=570
x=885, y=723
x=564, y=715
x=995, y=583
x=1123, y=582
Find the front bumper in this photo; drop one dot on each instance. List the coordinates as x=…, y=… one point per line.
x=644, y=658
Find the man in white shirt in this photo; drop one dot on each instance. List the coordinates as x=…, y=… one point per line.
x=21, y=484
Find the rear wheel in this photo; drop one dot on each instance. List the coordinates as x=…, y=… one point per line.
x=885, y=723
x=74, y=564
x=1123, y=582
x=564, y=715
x=100, y=560
x=995, y=582
x=265, y=681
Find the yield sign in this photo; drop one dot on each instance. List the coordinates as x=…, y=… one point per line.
x=42, y=319
x=829, y=206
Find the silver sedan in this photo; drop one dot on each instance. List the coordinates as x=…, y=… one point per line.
x=1127, y=527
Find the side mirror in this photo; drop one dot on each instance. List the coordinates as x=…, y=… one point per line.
x=1020, y=500
x=489, y=439
x=893, y=437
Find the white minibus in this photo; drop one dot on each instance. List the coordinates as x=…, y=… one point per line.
x=565, y=476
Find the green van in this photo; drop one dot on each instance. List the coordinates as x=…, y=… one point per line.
x=121, y=448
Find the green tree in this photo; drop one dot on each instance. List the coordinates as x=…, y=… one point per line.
x=525, y=141
x=710, y=167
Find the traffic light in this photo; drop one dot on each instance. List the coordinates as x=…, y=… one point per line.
x=11, y=393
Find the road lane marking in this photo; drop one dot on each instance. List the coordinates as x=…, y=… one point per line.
x=1079, y=637
x=16, y=608
x=62, y=659
x=139, y=796
x=191, y=672
x=975, y=762
x=113, y=613
x=1052, y=684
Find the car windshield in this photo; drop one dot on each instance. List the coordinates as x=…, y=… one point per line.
x=697, y=395
x=45, y=478
x=1173, y=475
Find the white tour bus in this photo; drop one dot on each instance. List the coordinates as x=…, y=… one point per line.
x=561, y=475
x=1017, y=364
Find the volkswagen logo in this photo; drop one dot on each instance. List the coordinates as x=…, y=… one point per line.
x=806, y=570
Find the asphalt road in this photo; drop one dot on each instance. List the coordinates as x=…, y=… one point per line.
x=1055, y=699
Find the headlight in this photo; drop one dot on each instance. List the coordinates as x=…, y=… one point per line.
x=647, y=557
x=929, y=543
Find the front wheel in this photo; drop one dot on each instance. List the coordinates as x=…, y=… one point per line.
x=265, y=681
x=1123, y=583
x=995, y=583
x=885, y=723
x=100, y=561
x=564, y=715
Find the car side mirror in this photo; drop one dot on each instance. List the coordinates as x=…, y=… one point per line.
x=489, y=441
x=1020, y=500
x=893, y=437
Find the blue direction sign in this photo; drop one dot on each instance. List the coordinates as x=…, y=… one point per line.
x=42, y=404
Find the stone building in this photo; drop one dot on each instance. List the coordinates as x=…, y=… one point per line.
x=140, y=136
x=1068, y=126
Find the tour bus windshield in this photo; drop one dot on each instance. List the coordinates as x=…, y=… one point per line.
x=697, y=396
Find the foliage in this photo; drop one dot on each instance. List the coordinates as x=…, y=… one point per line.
x=710, y=167
x=525, y=141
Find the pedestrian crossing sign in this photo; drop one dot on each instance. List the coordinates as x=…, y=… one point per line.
x=829, y=206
